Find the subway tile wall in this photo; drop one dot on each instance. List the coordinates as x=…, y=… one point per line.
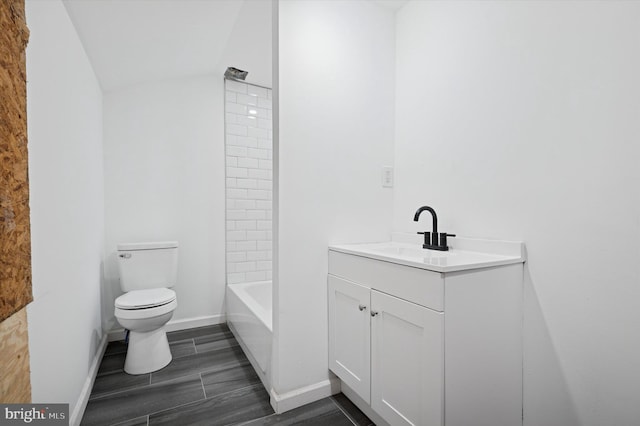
x=249, y=188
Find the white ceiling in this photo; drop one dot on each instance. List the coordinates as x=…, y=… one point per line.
x=391, y=4
x=135, y=41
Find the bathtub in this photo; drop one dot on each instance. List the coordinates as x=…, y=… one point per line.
x=249, y=318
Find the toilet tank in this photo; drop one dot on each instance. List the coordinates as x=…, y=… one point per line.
x=147, y=265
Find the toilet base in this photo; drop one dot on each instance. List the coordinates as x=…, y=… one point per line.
x=148, y=351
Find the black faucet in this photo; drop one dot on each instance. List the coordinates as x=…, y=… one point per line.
x=433, y=243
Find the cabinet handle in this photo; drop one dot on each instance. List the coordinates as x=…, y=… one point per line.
x=374, y=313
x=362, y=307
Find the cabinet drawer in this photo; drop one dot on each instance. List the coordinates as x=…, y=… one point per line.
x=417, y=285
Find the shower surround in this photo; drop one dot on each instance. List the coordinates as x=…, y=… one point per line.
x=249, y=188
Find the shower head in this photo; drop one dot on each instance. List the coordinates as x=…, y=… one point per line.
x=235, y=73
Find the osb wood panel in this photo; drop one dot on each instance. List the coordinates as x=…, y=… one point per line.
x=15, y=240
x=15, y=384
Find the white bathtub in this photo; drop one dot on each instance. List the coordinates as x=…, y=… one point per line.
x=249, y=318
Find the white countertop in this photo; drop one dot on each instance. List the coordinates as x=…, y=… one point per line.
x=464, y=253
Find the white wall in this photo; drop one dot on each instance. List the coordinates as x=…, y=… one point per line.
x=164, y=180
x=64, y=107
x=336, y=73
x=519, y=120
x=249, y=45
x=249, y=186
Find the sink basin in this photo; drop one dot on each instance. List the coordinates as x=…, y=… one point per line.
x=476, y=254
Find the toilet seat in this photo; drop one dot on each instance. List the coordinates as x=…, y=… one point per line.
x=145, y=299
x=145, y=313
x=143, y=304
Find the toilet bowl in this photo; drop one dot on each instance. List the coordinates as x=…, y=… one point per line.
x=144, y=313
x=147, y=271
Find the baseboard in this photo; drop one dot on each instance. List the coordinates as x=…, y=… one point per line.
x=303, y=396
x=185, y=323
x=83, y=399
x=176, y=325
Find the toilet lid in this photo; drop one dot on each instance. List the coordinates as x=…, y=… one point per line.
x=141, y=299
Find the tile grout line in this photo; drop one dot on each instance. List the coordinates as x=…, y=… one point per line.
x=141, y=386
x=218, y=336
x=204, y=391
x=174, y=407
x=259, y=418
x=211, y=369
x=252, y=385
x=200, y=400
x=119, y=390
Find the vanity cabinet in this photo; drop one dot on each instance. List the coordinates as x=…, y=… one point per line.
x=406, y=356
x=388, y=350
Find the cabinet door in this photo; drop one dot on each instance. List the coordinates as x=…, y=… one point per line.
x=407, y=370
x=349, y=334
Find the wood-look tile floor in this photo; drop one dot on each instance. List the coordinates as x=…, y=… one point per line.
x=209, y=382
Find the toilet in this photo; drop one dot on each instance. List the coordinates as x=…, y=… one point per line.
x=147, y=273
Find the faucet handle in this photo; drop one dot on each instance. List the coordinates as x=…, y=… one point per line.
x=427, y=237
x=443, y=238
